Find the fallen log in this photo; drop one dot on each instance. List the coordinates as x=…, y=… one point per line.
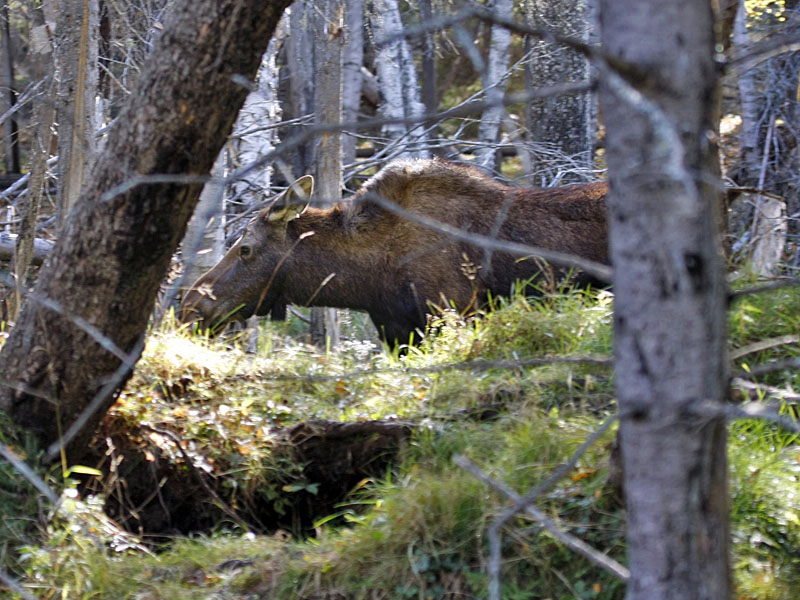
x=41, y=248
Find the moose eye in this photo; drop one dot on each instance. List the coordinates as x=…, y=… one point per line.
x=245, y=252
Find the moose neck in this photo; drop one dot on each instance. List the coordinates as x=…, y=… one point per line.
x=329, y=268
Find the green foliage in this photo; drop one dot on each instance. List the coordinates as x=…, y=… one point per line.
x=765, y=509
x=419, y=531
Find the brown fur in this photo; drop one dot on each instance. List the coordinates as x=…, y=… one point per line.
x=392, y=267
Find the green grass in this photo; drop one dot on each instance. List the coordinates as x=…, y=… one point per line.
x=419, y=530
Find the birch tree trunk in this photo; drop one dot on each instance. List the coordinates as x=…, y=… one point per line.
x=204, y=242
x=494, y=84
x=748, y=96
x=80, y=332
x=669, y=287
x=76, y=75
x=397, y=80
x=565, y=124
x=352, y=75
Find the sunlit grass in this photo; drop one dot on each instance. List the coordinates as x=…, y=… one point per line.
x=419, y=530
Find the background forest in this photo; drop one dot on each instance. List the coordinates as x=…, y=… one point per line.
x=297, y=457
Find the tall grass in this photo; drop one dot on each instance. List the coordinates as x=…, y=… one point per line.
x=419, y=530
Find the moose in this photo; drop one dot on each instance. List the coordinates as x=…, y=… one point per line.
x=377, y=251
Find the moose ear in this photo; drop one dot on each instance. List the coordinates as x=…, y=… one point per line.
x=291, y=203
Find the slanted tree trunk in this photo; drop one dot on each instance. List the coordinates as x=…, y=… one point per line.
x=669, y=287
x=328, y=110
x=494, y=82
x=115, y=247
x=76, y=75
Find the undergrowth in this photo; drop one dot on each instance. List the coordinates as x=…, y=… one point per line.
x=418, y=529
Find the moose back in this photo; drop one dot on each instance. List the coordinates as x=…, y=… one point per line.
x=360, y=255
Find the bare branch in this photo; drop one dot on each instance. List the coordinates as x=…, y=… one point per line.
x=763, y=51
x=15, y=586
x=775, y=397
x=751, y=410
x=569, y=540
x=493, y=531
x=764, y=345
x=28, y=473
x=780, y=365
x=776, y=285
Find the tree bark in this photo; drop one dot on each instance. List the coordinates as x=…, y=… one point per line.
x=116, y=245
x=669, y=286
x=41, y=49
x=328, y=110
x=10, y=131
x=397, y=78
x=494, y=84
x=566, y=125
x=204, y=242
x=76, y=76
x=300, y=61
x=352, y=74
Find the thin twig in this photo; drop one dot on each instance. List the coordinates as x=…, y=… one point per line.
x=569, y=540
x=493, y=532
x=768, y=287
x=780, y=365
x=28, y=473
x=771, y=47
x=190, y=464
x=767, y=344
x=15, y=586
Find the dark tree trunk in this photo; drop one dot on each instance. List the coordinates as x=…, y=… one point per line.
x=669, y=288
x=116, y=246
x=10, y=132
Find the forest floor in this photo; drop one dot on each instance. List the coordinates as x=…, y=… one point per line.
x=297, y=473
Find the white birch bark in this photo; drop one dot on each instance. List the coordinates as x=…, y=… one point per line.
x=204, y=242
x=352, y=75
x=494, y=84
x=397, y=79
x=770, y=237
x=748, y=96
x=254, y=133
x=565, y=124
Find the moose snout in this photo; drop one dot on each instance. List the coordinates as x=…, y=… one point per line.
x=195, y=308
